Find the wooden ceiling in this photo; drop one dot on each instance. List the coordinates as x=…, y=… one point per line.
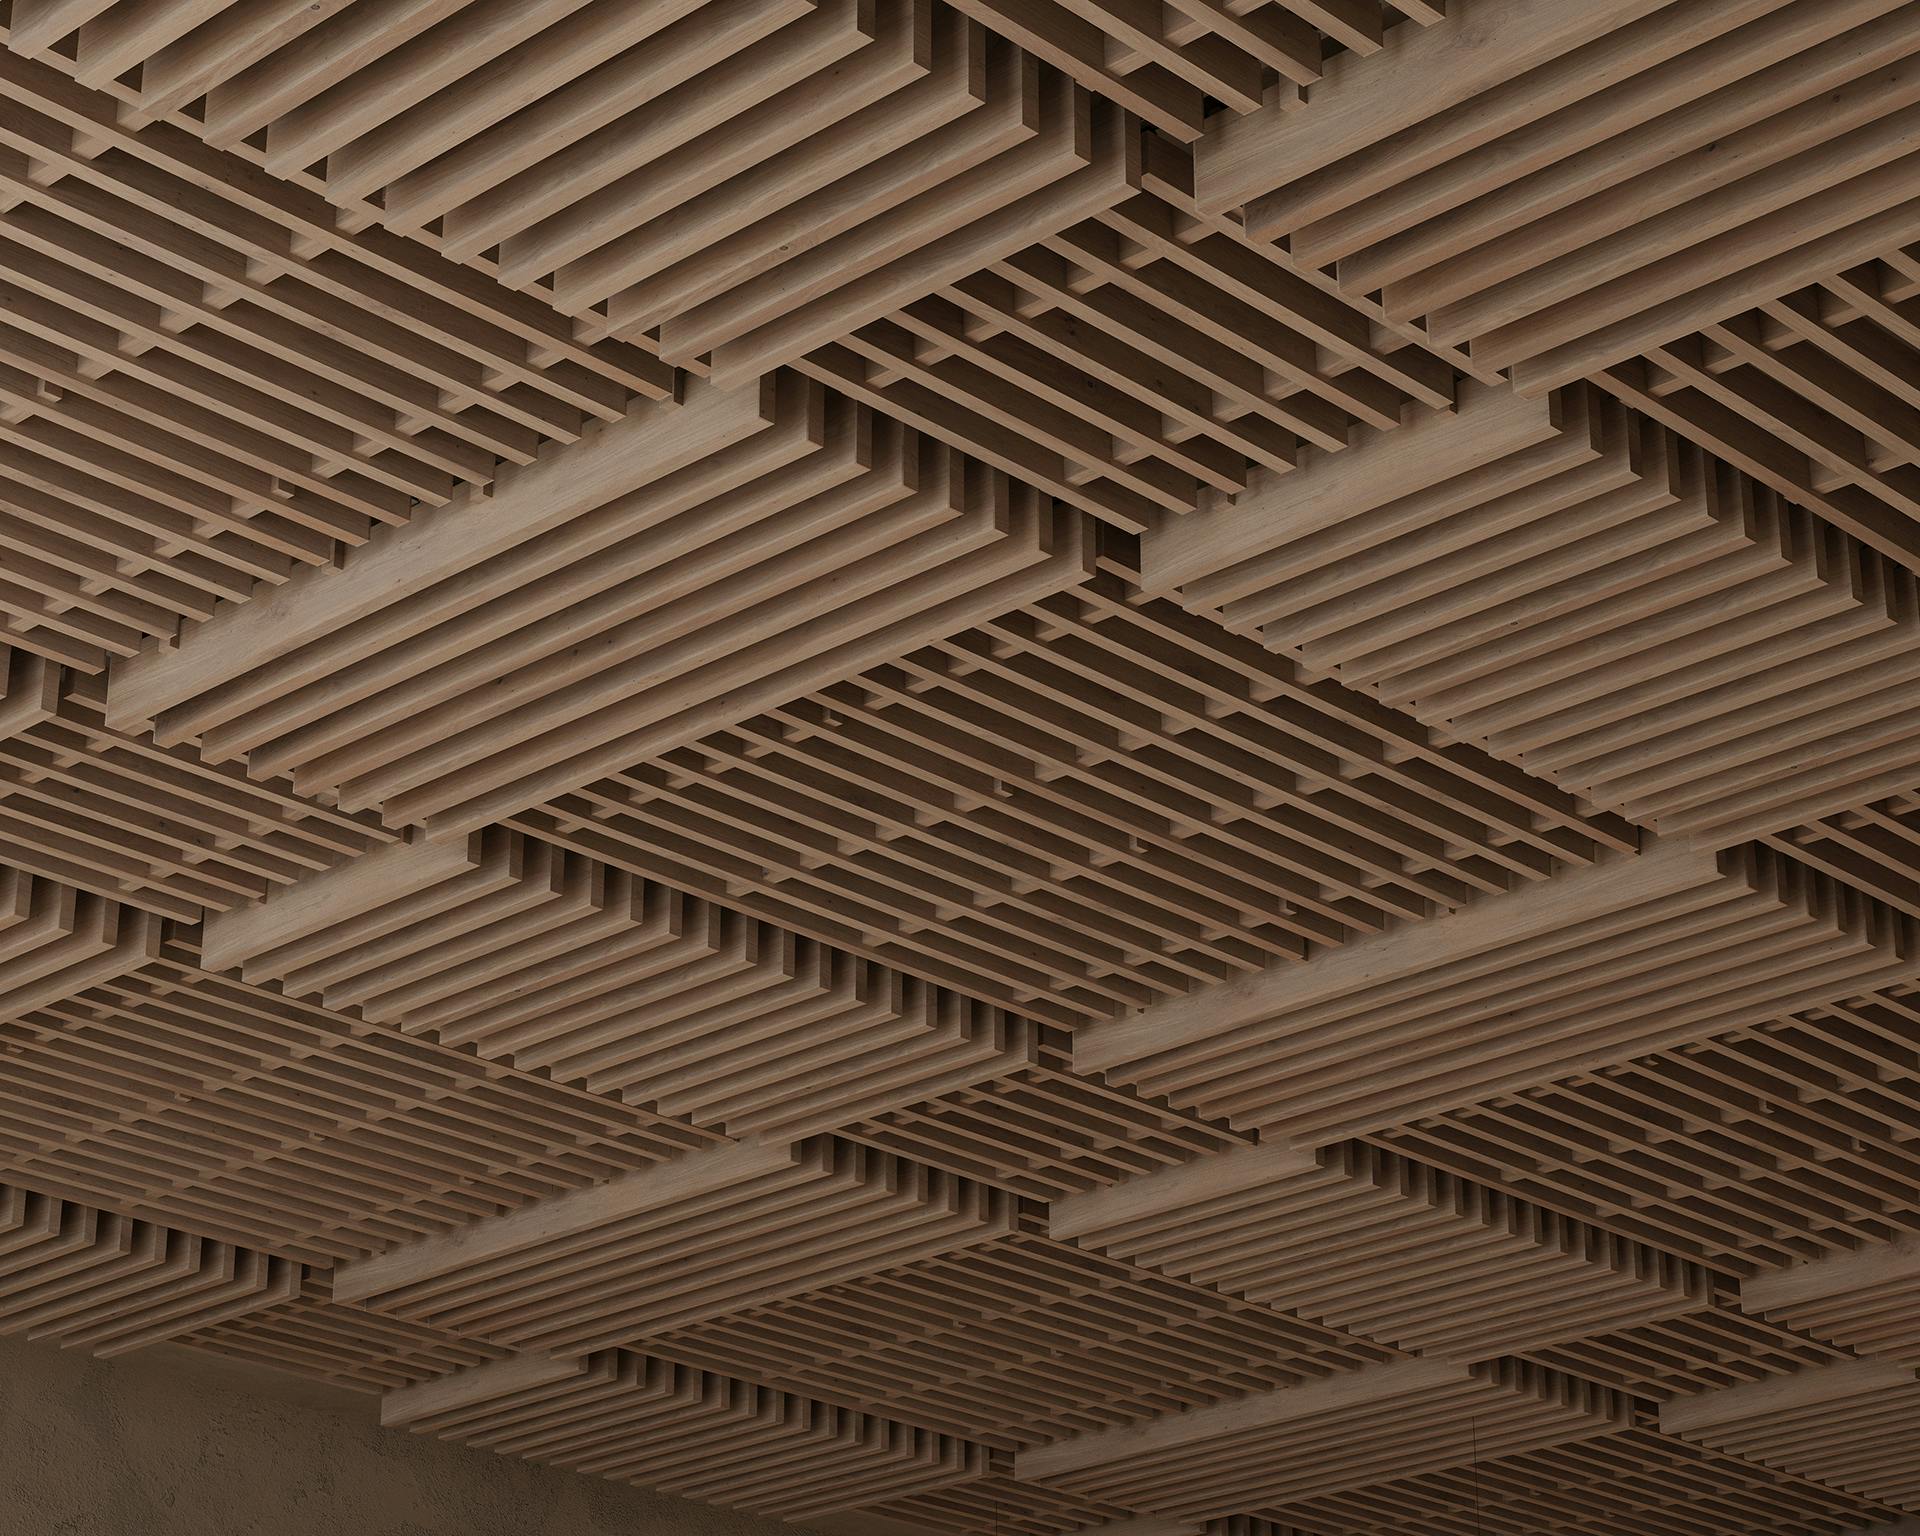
x=982, y=766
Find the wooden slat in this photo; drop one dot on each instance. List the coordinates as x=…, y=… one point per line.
x=703, y=1235
x=1383, y=1247
x=513, y=948
x=236, y=1111
x=1346, y=1431
x=1081, y=806
x=642, y=1420
x=1572, y=588
x=1865, y=1300
x=1022, y=1339
x=1559, y=188
x=1636, y=953
x=1786, y=1139
x=1850, y=1425
x=88, y=1280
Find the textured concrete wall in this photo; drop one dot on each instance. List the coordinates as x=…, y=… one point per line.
x=171, y=1442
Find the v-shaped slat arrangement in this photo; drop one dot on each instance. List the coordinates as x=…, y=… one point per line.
x=1007, y=769
x=100, y=1282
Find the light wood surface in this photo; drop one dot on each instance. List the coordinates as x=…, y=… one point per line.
x=982, y=767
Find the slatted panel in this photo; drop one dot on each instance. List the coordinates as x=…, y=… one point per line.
x=642, y=1420
x=1648, y=952
x=236, y=1111
x=1852, y=1426
x=1559, y=187
x=1174, y=62
x=1786, y=1139
x=313, y=1335
x=693, y=562
x=1365, y=1241
x=588, y=757
x=1867, y=1301
x=995, y=1503
x=1718, y=1346
x=722, y=182
x=1570, y=587
x=1346, y=1432
x=709, y=1233
x=85, y=1279
x=202, y=387
x=1041, y=1129
x=114, y=813
x=1087, y=804
x=1018, y=1341
x=1635, y=1484
x=1143, y=362
x=55, y=940
x=1811, y=393
x=524, y=953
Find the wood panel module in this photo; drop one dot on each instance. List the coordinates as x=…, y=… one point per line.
x=1677, y=945
x=1559, y=187
x=230, y=1109
x=204, y=387
x=1577, y=591
x=982, y=767
x=1785, y=1140
x=1081, y=806
x=629, y=1416
x=522, y=952
x=687, y=562
x=1139, y=362
x=696, y=1237
x=1362, y=1240
x=160, y=828
x=1852, y=1425
x=1025, y=1337
x=1346, y=1431
x=1867, y=1300
x=99, y=1282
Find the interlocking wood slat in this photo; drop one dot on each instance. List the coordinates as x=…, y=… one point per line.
x=1039, y=1128
x=1392, y=1250
x=1136, y=364
x=1638, y=952
x=623, y=1415
x=1639, y=1482
x=1849, y=1425
x=56, y=940
x=1865, y=1301
x=1172, y=63
x=1560, y=188
x=1718, y=1346
x=1081, y=806
x=86, y=1279
x=234, y=1110
x=726, y=182
x=1570, y=587
x=202, y=388
x=1785, y=1139
x=160, y=828
x=1133, y=767
x=699, y=1236
x=1342, y=1432
x=314, y=1335
x=525, y=953
x=1024, y=1339
x=687, y=563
